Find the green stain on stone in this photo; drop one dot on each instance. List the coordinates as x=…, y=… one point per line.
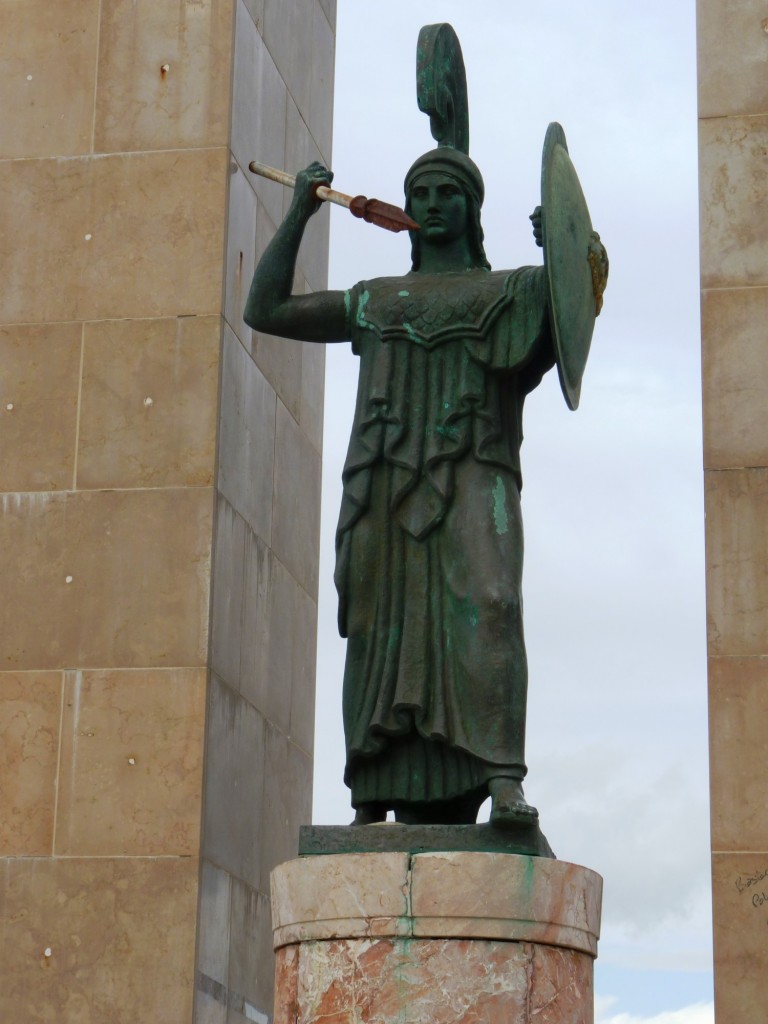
x=404, y=294
x=410, y=332
x=528, y=877
x=500, y=517
x=362, y=303
x=445, y=430
x=469, y=610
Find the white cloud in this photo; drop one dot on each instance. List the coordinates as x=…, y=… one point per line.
x=699, y=1013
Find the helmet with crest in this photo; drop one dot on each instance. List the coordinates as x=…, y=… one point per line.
x=441, y=90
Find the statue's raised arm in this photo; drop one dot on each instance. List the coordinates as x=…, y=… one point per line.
x=271, y=307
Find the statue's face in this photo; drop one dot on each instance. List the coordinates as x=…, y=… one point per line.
x=439, y=207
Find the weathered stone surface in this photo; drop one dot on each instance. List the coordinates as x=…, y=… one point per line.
x=450, y=938
x=258, y=126
x=41, y=363
x=472, y=895
x=734, y=377
x=732, y=183
x=98, y=939
x=353, y=895
x=740, y=912
x=287, y=800
x=732, y=52
x=738, y=711
x=47, y=71
x=295, y=522
x=443, y=981
x=241, y=251
x=246, y=437
x=733, y=135
x=163, y=76
x=498, y=896
x=213, y=934
x=113, y=237
x=70, y=553
x=131, y=763
x=251, y=967
x=30, y=710
x=148, y=403
x=737, y=554
x=234, y=780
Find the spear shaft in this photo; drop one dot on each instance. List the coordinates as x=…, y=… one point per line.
x=384, y=215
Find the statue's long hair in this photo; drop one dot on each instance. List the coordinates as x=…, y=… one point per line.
x=474, y=228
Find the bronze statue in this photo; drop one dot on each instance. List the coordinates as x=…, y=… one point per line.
x=429, y=541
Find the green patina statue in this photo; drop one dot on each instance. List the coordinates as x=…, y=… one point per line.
x=430, y=540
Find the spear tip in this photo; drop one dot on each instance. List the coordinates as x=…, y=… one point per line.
x=384, y=215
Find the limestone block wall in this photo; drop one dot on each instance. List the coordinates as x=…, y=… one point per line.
x=159, y=478
x=733, y=110
x=260, y=721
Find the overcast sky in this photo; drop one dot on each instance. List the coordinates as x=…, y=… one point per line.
x=612, y=498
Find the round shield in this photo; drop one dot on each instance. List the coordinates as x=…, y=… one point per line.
x=567, y=231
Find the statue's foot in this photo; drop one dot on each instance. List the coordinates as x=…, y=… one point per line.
x=369, y=814
x=509, y=806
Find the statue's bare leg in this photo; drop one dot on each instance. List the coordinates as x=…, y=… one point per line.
x=509, y=805
x=370, y=813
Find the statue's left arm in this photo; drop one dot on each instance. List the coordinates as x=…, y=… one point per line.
x=519, y=338
x=574, y=293
x=597, y=257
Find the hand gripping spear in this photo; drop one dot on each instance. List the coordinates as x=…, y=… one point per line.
x=385, y=215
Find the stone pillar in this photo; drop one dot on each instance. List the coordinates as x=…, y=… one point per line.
x=259, y=732
x=733, y=142
x=159, y=470
x=434, y=938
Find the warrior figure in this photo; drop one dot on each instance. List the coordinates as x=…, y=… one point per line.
x=429, y=542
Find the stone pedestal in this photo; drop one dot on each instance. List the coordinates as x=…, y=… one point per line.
x=434, y=938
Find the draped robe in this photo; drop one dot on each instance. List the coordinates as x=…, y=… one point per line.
x=429, y=542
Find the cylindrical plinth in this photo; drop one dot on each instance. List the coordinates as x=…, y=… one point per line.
x=434, y=938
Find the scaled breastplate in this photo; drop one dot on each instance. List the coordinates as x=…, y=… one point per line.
x=430, y=309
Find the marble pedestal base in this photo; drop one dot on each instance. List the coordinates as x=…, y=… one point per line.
x=434, y=938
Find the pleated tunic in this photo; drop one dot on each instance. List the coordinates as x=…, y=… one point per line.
x=429, y=542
